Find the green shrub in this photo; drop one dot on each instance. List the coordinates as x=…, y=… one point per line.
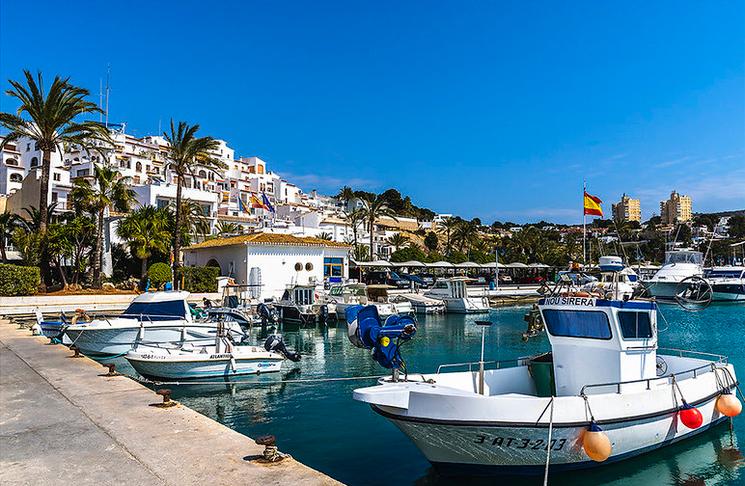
x=159, y=273
x=18, y=280
x=199, y=279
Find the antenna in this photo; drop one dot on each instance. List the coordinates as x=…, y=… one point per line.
x=108, y=90
x=100, y=100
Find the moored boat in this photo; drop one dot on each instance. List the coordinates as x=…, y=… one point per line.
x=454, y=292
x=679, y=265
x=604, y=393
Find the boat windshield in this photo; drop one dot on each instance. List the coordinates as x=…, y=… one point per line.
x=155, y=310
x=578, y=324
x=694, y=257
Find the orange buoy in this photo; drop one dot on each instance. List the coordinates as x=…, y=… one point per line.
x=596, y=444
x=690, y=416
x=729, y=405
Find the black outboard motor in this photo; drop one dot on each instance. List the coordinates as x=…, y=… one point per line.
x=267, y=313
x=323, y=313
x=275, y=344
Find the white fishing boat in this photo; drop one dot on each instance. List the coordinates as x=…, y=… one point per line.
x=604, y=393
x=223, y=359
x=423, y=304
x=616, y=281
x=727, y=283
x=679, y=265
x=157, y=317
x=300, y=304
x=454, y=292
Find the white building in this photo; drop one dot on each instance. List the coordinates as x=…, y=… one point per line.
x=272, y=260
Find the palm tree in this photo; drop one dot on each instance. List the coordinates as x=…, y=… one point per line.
x=450, y=224
x=376, y=207
x=146, y=231
x=186, y=151
x=466, y=235
x=32, y=221
x=326, y=236
x=397, y=241
x=8, y=224
x=109, y=191
x=193, y=221
x=228, y=228
x=346, y=194
x=51, y=122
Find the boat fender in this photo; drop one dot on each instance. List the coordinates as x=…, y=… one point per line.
x=275, y=344
x=690, y=416
x=728, y=404
x=596, y=443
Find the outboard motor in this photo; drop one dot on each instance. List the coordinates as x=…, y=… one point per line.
x=267, y=313
x=275, y=344
x=323, y=313
x=365, y=331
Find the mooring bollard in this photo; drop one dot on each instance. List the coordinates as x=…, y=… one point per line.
x=271, y=453
x=77, y=351
x=112, y=369
x=166, y=394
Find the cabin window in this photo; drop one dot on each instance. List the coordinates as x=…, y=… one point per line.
x=579, y=324
x=635, y=325
x=333, y=267
x=157, y=310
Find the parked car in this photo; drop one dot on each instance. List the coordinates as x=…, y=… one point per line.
x=427, y=278
x=386, y=278
x=505, y=279
x=531, y=279
x=418, y=281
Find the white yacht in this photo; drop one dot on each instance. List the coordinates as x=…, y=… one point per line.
x=425, y=305
x=679, y=265
x=157, y=317
x=604, y=393
x=727, y=283
x=616, y=280
x=354, y=294
x=454, y=292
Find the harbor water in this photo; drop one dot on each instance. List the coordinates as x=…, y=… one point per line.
x=321, y=426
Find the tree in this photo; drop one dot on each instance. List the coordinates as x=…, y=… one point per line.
x=228, y=228
x=398, y=241
x=326, y=236
x=193, y=221
x=51, y=123
x=376, y=207
x=8, y=224
x=146, y=231
x=186, y=152
x=32, y=221
x=737, y=226
x=431, y=241
x=109, y=191
x=355, y=219
x=345, y=194
x=450, y=224
x=407, y=254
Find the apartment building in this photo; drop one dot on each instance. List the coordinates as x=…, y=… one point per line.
x=677, y=209
x=627, y=209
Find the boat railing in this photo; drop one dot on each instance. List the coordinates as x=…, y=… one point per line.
x=710, y=366
x=498, y=364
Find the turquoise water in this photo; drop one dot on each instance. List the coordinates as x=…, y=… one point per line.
x=321, y=426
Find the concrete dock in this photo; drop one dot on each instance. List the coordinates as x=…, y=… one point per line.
x=61, y=422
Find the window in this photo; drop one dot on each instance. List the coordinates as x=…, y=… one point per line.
x=83, y=172
x=157, y=310
x=28, y=147
x=34, y=162
x=580, y=324
x=635, y=325
x=138, y=166
x=16, y=178
x=56, y=177
x=333, y=267
x=11, y=161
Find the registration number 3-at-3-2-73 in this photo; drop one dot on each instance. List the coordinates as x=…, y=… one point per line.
x=518, y=443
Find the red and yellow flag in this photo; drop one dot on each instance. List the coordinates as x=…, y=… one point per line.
x=592, y=205
x=255, y=203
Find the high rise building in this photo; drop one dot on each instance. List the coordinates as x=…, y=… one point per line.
x=627, y=209
x=677, y=209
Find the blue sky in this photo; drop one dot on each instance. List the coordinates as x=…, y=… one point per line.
x=488, y=109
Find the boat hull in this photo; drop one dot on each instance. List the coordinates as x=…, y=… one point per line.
x=466, y=306
x=521, y=449
x=207, y=368
x=662, y=290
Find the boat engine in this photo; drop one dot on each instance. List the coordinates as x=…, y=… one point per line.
x=323, y=313
x=267, y=313
x=364, y=330
x=276, y=344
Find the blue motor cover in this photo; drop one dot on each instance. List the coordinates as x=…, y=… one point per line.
x=365, y=331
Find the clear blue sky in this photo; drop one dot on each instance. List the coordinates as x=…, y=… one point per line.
x=489, y=109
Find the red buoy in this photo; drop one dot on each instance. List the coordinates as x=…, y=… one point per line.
x=690, y=416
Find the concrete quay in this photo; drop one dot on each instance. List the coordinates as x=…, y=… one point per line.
x=61, y=422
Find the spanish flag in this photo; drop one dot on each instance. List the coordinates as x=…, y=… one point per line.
x=592, y=205
x=256, y=203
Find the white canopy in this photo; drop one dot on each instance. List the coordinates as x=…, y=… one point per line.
x=516, y=265
x=539, y=265
x=410, y=263
x=467, y=265
x=441, y=264
x=374, y=263
x=493, y=265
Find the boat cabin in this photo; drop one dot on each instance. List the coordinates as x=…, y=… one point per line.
x=684, y=256
x=378, y=293
x=350, y=293
x=454, y=288
x=300, y=294
x=159, y=306
x=596, y=341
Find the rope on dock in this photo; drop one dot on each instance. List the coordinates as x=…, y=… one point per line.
x=248, y=382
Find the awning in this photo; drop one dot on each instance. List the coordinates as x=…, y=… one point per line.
x=374, y=263
x=467, y=265
x=539, y=265
x=441, y=264
x=493, y=265
x=410, y=263
x=516, y=265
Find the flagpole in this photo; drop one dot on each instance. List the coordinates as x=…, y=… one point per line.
x=584, y=224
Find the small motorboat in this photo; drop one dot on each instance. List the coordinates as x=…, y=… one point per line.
x=604, y=393
x=153, y=317
x=423, y=304
x=221, y=360
x=49, y=329
x=454, y=292
x=727, y=283
x=679, y=265
x=299, y=304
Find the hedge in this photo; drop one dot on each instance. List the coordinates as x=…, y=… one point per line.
x=18, y=280
x=159, y=273
x=199, y=279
